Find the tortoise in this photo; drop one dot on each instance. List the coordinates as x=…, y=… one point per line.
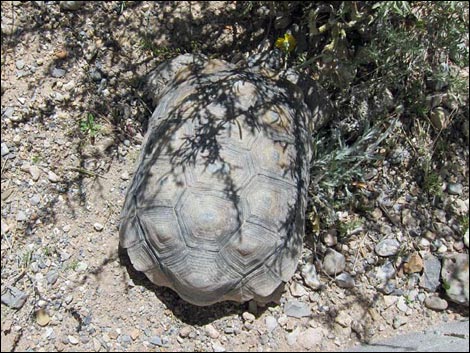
x=216, y=206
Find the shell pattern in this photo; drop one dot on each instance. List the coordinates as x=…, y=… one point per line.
x=216, y=206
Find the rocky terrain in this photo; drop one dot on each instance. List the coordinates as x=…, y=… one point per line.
x=72, y=119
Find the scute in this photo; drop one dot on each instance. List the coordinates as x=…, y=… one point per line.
x=208, y=219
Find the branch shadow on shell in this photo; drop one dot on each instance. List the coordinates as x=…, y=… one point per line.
x=226, y=158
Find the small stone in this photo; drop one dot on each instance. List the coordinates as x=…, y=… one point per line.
x=271, y=323
x=399, y=321
x=113, y=334
x=414, y=264
x=343, y=319
x=4, y=149
x=424, y=243
x=310, y=338
x=71, y=5
x=57, y=73
x=68, y=299
x=35, y=200
x=81, y=266
x=291, y=337
x=156, y=341
x=401, y=305
x=309, y=273
x=248, y=316
x=14, y=298
x=297, y=309
x=19, y=64
x=387, y=247
x=53, y=177
x=64, y=256
x=442, y=249
x=454, y=189
x=455, y=276
x=217, y=347
x=430, y=280
x=35, y=172
x=73, y=340
x=21, y=216
x=435, y=303
x=135, y=333
x=125, y=176
x=385, y=272
x=465, y=238
x=52, y=277
x=211, y=331
x=333, y=262
x=42, y=318
x=185, y=331
x=297, y=290
x=345, y=280
x=98, y=227
x=439, y=117
x=329, y=238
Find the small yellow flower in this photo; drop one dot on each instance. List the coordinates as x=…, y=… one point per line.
x=286, y=44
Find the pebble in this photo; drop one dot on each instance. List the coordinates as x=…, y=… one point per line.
x=345, y=280
x=211, y=331
x=185, y=331
x=387, y=247
x=21, y=216
x=385, y=272
x=343, y=319
x=35, y=200
x=297, y=290
x=310, y=338
x=98, y=227
x=271, y=323
x=156, y=341
x=402, y=306
x=297, y=309
x=217, y=347
x=248, y=316
x=455, y=275
x=435, y=303
x=399, y=321
x=68, y=299
x=291, y=337
x=430, y=280
x=52, y=277
x=309, y=273
x=35, y=172
x=72, y=340
x=330, y=239
x=454, y=188
x=125, y=176
x=19, y=64
x=334, y=262
x=414, y=264
x=57, y=73
x=135, y=333
x=14, y=298
x=71, y=5
x=53, y=177
x=4, y=149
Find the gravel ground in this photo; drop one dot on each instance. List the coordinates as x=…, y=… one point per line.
x=402, y=267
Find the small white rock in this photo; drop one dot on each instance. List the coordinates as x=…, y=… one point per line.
x=72, y=340
x=53, y=177
x=98, y=227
